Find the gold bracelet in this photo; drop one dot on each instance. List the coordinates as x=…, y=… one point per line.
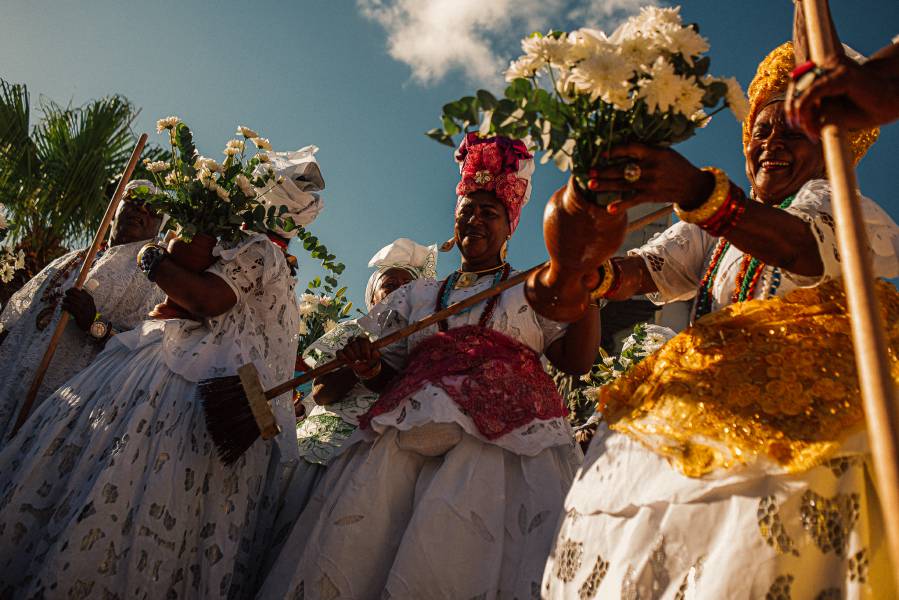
x=712, y=204
x=607, y=280
x=371, y=373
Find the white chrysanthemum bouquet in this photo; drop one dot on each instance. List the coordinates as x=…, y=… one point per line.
x=203, y=195
x=575, y=95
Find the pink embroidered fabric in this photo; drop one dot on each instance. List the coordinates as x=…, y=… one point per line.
x=496, y=380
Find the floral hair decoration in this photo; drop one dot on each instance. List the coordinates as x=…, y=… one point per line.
x=496, y=164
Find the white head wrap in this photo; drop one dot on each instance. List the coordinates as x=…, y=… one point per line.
x=420, y=261
x=299, y=189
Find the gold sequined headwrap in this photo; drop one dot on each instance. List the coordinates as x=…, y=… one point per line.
x=771, y=380
x=771, y=80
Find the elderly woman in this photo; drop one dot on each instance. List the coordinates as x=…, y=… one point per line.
x=733, y=462
x=113, y=487
x=116, y=297
x=453, y=484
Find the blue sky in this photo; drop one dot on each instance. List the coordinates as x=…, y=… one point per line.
x=321, y=72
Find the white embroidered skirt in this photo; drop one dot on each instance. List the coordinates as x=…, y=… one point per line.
x=636, y=528
x=112, y=489
x=386, y=522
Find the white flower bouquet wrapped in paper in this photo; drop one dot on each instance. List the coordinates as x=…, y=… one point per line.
x=575, y=95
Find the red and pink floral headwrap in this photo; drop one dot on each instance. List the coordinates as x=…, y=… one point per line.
x=497, y=164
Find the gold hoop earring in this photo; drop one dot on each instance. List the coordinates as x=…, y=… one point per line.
x=504, y=250
x=448, y=245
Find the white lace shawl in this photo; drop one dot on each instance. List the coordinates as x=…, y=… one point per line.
x=678, y=257
x=123, y=296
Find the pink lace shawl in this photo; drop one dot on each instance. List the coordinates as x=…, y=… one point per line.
x=496, y=380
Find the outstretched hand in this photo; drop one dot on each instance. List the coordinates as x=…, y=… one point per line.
x=644, y=174
x=847, y=94
x=361, y=357
x=80, y=304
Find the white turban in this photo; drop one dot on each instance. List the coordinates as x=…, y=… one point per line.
x=151, y=189
x=299, y=189
x=420, y=261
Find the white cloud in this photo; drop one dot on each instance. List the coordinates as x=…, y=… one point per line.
x=479, y=37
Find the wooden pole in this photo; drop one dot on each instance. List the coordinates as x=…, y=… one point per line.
x=79, y=282
x=877, y=387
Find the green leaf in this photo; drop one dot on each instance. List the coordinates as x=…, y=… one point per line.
x=486, y=99
x=440, y=136
x=519, y=89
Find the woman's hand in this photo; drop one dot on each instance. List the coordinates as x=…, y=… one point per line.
x=848, y=94
x=651, y=174
x=361, y=357
x=80, y=304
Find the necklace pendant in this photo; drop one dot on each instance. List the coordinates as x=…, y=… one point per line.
x=465, y=280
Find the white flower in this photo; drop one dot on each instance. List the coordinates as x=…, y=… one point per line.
x=158, y=166
x=263, y=158
x=222, y=193
x=173, y=179
x=306, y=309
x=524, y=67
x=562, y=158
x=303, y=330
x=262, y=143
x=230, y=151
x=245, y=186
x=166, y=123
x=584, y=42
x=547, y=49
x=735, y=99
x=246, y=132
x=309, y=299
x=325, y=300
x=330, y=324
x=700, y=118
x=665, y=90
x=239, y=144
x=6, y=272
x=207, y=163
x=20, y=260
x=680, y=40
x=591, y=393
x=204, y=176
x=605, y=75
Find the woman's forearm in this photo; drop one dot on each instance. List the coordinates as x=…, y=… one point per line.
x=203, y=294
x=575, y=352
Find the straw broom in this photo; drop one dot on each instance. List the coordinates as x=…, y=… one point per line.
x=877, y=386
x=79, y=282
x=237, y=408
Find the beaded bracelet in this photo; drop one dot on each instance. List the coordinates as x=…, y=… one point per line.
x=729, y=215
x=713, y=203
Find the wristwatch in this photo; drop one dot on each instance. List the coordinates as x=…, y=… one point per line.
x=149, y=258
x=99, y=329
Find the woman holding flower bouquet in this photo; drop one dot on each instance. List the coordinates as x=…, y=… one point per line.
x=733, y=463
x=453, y=484
x=113, y=487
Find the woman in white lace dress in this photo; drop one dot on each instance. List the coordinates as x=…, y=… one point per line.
x=116, y=294
x=453, y=484
x=113, y=488
x=340, y=398
x=733, y=463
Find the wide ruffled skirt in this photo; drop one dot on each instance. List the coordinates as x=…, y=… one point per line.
x=636, y=528
x=477, y=521
x=113, y=489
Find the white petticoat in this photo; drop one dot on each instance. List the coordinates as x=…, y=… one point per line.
x=113, y=487
x=636, y=528
x=387, y=522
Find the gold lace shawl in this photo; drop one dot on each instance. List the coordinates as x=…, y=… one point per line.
x=764, y=379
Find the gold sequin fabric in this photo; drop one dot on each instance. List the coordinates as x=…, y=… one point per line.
x=771, y=80
x=764, y=379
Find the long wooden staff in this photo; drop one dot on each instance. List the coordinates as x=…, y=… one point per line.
x=82, y=275
x=871, y=357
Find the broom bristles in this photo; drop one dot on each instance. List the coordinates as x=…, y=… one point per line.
x=229, y=419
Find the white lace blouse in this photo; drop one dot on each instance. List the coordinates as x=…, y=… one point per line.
x=678, y=257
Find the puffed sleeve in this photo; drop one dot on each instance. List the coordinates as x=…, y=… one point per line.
x=813, y=205
x=675, y=259
x=389, y=315
x=244, y=268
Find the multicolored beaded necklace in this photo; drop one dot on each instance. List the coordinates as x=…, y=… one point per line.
x=449, y=284
x=748, y=276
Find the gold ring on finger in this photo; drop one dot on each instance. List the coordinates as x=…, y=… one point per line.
x=632, y=172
